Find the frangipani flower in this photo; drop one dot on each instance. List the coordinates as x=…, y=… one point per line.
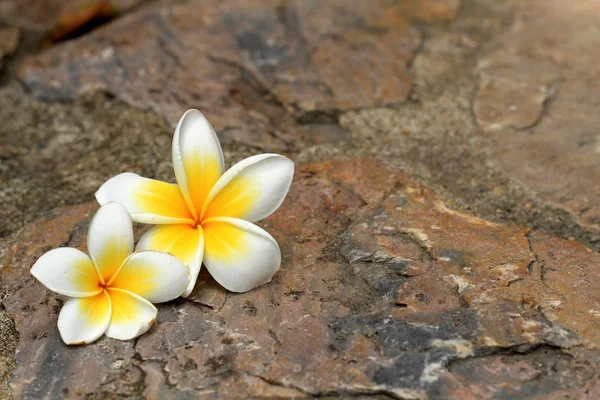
x=207, y=217
x=113, y=291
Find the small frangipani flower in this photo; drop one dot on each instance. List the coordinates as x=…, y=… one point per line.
x=113, y=290
x=207, y=217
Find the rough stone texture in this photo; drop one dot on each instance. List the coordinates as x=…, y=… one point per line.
x=52, y=155
x=383, y=290
x=196, y=54
x=59, y=154
x=60, y=18
x=507, y=175
x=430, y=11
x=9, y=40
x=8, y=345
x=537, y=103
x=208, y=292
x=32, y=15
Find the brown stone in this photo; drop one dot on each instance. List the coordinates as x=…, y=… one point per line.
x=9, y=40
x=208, y=292
x=78, y=15
x=36, y=15
x=208, y=55
x=59, y=18
x=430, y=10
x=536, y=102
x=382, y=290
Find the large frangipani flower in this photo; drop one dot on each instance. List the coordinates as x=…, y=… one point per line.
x=207, y=217
x=113, y=291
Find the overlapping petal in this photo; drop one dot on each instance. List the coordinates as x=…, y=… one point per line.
x=183, y=241
x=149, y=201
x=83, y=320
x=207, y=217
x=157, y=277
x=238, y=254
x=197, y=158
x=252, y=189
x=132, y=315
x=67, y=271
x=110, y=239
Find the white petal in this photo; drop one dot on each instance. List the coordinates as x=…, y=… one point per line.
x=83, y=320
x=197, y=158
x=183, y=241
x=252, y=189
x=132, y=315
x=157, y=277
x=149, y=201
x=67, y=271
x=110, y=239
x=238, y=254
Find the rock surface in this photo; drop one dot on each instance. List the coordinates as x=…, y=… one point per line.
x=196, y=54
x=61, y=18
x=530, y=154
x=382, y=290
x=386, y=289
x=261, y=72
x=536, y=104
x=9, y=40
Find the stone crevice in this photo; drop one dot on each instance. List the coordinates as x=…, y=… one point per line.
x=350, y=393
x=546, y=103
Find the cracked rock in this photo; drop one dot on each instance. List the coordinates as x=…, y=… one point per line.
x=535, y=104
x=457, y=308
x=209, y=54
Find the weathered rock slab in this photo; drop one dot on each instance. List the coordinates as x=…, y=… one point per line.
x=205, y=54
x=536, y=102
x=382, y=290
x=60, y=18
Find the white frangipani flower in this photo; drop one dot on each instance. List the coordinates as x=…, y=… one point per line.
x=113, y=290
x=207, y=217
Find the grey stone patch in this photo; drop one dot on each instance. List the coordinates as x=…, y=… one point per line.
x=8, y=346
x=418, y=351
x=540, y=370
x=55, y=154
